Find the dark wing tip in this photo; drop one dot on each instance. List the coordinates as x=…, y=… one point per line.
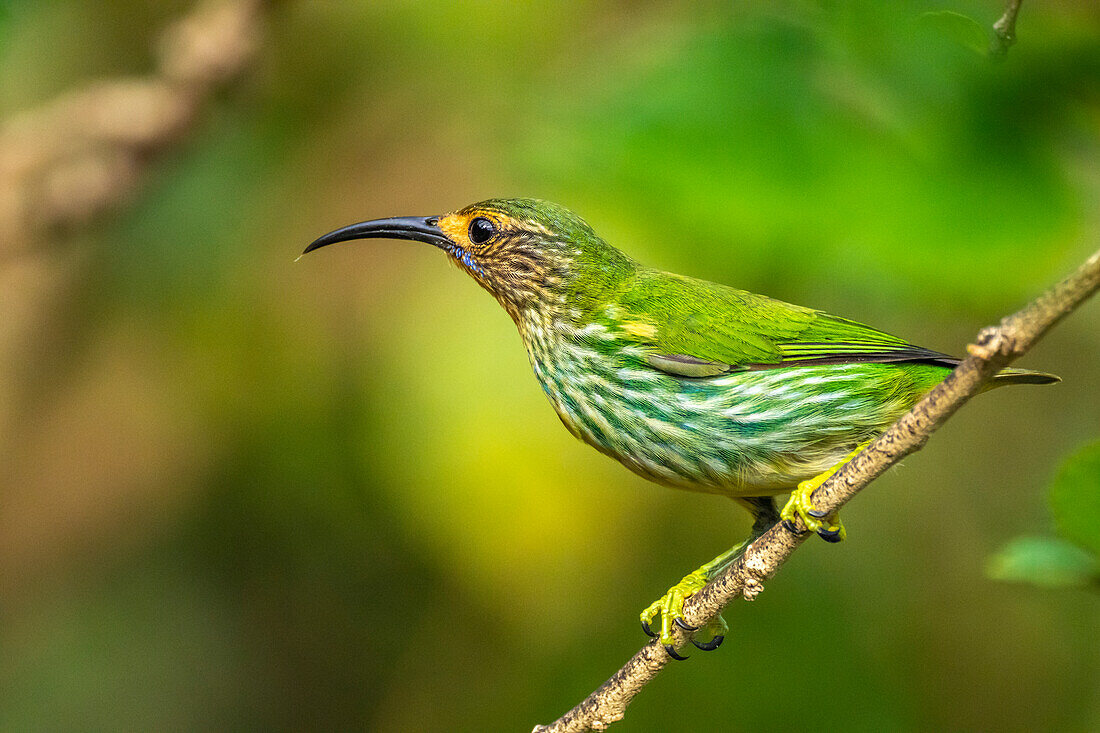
x=1025, y=376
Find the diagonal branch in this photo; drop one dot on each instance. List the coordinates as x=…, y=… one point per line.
x=86, y=152
x=995, y=347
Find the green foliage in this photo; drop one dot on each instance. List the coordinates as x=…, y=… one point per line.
x=1075, y=498
x=1044, y=561
x=1073, y=559
x=962, y=29
x=812, y=142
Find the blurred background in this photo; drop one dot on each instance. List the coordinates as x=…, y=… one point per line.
x=239, y=492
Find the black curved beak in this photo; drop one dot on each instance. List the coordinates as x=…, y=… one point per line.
x=418, y=228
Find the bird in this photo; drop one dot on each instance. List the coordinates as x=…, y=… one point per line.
x=691, y=384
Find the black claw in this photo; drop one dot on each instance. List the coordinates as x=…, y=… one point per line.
x=672, y=653
x=648, y=631
x=711, y=645
x=829, y=535
x=789, y=526
x=817, y=513
x=684, y=625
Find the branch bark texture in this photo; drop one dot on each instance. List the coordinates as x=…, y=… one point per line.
x=994, y=348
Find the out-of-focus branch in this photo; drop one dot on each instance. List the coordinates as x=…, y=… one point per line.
x=1004, y=30
x=995, y=347
x=85, y=152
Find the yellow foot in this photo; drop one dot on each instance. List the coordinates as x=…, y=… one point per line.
x=827, y=525
x=669, y=609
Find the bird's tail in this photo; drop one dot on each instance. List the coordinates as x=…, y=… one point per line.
x=1022, y=376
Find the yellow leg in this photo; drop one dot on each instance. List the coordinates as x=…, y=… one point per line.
x=801, y=505
x=669, y=608
x=663, y=614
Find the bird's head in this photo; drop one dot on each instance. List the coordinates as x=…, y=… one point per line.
x=532, y=255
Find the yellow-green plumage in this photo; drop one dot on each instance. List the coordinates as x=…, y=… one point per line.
x=689, y=383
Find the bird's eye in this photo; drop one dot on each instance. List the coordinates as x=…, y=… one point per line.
x=481, y=230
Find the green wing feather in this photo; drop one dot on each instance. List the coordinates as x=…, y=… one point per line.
x=695, y=328
x=715, y=323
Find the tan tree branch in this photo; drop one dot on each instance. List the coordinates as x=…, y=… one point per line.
x=87, y=151
x=995, y=347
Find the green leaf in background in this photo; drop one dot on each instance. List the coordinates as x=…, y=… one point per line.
x=1047, y=562
x=960, y=28
x=1075, y=498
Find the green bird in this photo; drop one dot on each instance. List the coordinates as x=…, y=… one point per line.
x=688, y=383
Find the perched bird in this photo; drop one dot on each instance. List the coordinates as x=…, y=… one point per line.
x=688, y=383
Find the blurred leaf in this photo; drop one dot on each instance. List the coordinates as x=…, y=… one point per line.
x=1047, y=562
x=768, y=145
x=1059, y=562
x=960, y=28
x=1075, y=498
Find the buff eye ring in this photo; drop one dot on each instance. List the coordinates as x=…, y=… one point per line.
x=481, y=230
